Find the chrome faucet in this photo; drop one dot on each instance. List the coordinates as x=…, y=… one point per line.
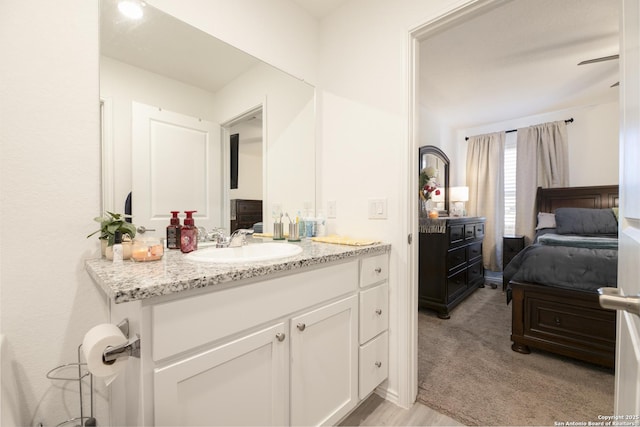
x=239, y=237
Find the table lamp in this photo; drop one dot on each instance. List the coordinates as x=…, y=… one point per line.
x=458, y=195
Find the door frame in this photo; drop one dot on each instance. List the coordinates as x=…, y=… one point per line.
x=225, y=128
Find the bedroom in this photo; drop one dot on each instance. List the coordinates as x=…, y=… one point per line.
x=478, y=85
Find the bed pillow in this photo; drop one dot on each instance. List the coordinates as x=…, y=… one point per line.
x=585, y=221
x=546, y=220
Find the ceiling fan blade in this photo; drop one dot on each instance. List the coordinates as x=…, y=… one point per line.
x=604, y=58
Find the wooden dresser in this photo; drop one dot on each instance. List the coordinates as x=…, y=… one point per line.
x=245, y=213
x=450, y=258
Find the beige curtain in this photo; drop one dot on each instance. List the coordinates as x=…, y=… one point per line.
x=485, y=179
x=542, y=161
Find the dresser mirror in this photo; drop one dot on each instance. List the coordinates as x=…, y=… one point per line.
x=161, y=62
x=431, y=156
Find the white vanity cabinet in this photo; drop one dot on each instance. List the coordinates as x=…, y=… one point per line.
x=295, y=349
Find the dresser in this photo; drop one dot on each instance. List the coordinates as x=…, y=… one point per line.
x=245, y=213
x=450, y=261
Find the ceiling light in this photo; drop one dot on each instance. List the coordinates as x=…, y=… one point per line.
x=130, y=9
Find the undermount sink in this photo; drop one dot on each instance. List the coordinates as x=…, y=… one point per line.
x=245, y=254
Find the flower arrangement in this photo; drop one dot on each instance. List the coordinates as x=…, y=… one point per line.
x=428, y=183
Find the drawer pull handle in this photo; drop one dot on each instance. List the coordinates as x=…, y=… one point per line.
x=378, y=270
x=378, y=364
x=379, y=312
x=301, y=326
x=557, y=319
x=280, y=336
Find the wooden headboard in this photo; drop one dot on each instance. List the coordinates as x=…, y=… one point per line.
x=597, y=197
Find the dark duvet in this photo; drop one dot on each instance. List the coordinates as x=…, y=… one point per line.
x=565, y=267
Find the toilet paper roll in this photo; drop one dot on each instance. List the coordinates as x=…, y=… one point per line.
x=95, y=343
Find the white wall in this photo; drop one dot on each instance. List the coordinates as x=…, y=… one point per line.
x=593, y=141
x=50, y=191
x=279, y=32
x=364, y=132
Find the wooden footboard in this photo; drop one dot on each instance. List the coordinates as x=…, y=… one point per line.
x=561, y=321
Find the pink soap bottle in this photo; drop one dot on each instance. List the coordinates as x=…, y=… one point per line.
x=188, y=234
x=173, y=231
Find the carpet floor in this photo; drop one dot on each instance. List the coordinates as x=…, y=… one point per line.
x=467, y=370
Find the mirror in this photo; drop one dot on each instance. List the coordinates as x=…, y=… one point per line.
x=432, y=157
x=162, y=62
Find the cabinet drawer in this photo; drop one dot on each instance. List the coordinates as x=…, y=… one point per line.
x=456, y=258
x=591, y=328
x=475, y=272
x=456, y=233
x=249, y=208
x=474, y=251
x=374, y=312
x=374, y=364
x=469, y=231
x=374, y=269
x=456, y=285
x=479, y=231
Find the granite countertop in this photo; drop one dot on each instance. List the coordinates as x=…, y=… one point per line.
x=131, y=281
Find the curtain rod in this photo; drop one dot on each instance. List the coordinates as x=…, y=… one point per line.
x=466, y=138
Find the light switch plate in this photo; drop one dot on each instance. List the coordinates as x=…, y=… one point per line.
x=331, y=209
x=377, y=208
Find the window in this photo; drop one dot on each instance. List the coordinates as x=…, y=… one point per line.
x=510, y=183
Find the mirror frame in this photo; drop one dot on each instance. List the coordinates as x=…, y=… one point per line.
x=437, y=152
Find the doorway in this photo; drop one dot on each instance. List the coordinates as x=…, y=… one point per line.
x=449, y=139
x=245, y=170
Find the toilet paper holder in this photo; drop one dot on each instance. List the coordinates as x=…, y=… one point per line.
x=132, y=348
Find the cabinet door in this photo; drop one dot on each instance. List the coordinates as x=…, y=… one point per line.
x=324, y=363
x=243, y=382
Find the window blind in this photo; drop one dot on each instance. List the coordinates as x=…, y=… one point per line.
x=510, y=151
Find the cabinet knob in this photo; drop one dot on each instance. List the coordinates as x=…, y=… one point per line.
x=378, y=270
x=301, y=326
x=378, y=364
x=280, y=336
x=378, y=311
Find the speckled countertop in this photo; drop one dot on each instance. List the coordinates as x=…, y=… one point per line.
x=132, y=280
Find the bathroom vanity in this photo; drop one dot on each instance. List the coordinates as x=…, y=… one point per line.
x=297, y=341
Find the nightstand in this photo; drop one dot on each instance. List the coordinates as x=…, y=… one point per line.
x=511, y=245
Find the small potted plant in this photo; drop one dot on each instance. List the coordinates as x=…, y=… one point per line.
x=111, y=224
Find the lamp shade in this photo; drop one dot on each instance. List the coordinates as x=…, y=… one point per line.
x=459, y=194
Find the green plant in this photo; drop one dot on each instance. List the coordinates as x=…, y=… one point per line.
x=112, y=223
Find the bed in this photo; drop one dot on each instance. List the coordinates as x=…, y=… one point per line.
x=553, y=286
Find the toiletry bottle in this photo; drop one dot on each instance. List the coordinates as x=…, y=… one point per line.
x=117, y=248
x=320, y=224
x=188, y=234
x=301, y=227
x=173, y=231
x=310, y=225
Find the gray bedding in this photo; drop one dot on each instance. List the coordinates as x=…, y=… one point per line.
x=565, y=267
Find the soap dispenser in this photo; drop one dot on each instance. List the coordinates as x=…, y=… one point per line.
x=173, y=231
x=188, y=234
